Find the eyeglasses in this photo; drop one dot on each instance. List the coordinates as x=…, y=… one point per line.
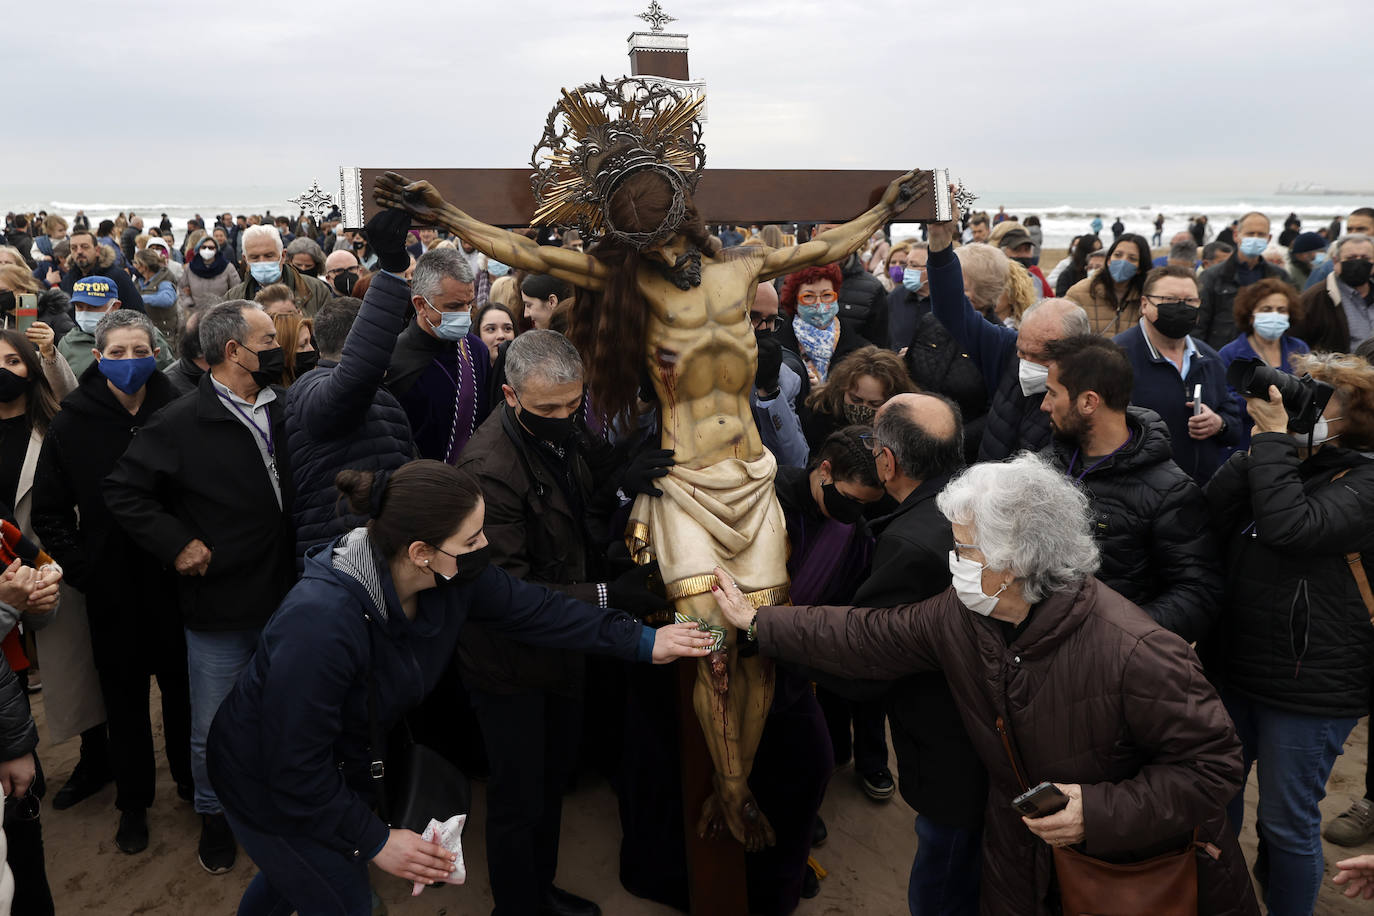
x=824, y=298
x=1194, y=302
x=764, y=322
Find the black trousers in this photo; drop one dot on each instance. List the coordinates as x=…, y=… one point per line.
x=531, y=743
x=24, y=850
x=869, y=721
x=124, y=665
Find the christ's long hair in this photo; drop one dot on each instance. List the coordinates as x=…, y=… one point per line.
x=607, y=327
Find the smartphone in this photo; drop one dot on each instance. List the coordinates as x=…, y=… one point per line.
x=26, y=312
x=1041, y=801
x=1197, y=400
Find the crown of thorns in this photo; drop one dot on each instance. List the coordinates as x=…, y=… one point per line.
x=600, y=133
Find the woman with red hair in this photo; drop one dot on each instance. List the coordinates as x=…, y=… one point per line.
x=817, y=332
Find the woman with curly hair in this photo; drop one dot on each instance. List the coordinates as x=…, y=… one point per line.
x=811, y=297
x=854, y=392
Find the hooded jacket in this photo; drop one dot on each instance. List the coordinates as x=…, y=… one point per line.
x=289, y=749
x=1150, y=522
x=1091, y=692
x=105, y=266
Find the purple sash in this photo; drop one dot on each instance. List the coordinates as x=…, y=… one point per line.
x=821, y=562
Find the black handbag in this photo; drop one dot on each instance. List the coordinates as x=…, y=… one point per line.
x=419, y=784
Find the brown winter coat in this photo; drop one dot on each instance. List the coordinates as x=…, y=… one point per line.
x=1094, y=692
x=1101, y=314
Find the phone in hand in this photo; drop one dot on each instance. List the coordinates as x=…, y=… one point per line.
x=1197, y=400
x=26, y=312
x=1041, y=801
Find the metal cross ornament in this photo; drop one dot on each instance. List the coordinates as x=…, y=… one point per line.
x=963, y=197
x=315, y=203
x=656, y=17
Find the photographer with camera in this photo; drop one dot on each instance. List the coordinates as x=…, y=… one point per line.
x=1293, y=652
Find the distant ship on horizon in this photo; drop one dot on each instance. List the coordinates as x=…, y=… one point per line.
x=1312, y=189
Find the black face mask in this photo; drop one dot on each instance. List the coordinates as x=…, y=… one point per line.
x=470, y=566
x=1176, y=320
x=841, y=508
x=554, y=430
x=1027, y=262
x=12, y=386
x=1356, y=273
x=305, y=361
x=312, y=272
x=344, y=282
x=6, y=301
x=271, y=365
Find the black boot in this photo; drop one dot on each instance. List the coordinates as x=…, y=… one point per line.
x=558, y=902
x=132, y=836
x=92, y=772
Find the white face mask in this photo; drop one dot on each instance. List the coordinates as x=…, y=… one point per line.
x=1321, y=432
x=968, y=585
x=1035, y=378
x=208, y=254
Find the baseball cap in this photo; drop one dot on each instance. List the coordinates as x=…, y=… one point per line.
x=1308, y=241
x=1015, y=238
x=99, y=291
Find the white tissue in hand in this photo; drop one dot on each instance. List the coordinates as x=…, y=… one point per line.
x=448, y=834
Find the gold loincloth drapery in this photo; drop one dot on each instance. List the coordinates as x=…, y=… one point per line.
x=724, y=515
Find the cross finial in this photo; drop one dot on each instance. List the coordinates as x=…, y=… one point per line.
x=656, y=17
x=314, y=202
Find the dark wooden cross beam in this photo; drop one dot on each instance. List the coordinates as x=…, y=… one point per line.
x=738, y=197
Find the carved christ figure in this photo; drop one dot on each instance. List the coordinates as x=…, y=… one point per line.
x=677, y=312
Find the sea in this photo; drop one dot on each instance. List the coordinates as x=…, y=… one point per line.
x=1063, y=215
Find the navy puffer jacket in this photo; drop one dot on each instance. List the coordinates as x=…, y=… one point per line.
x=340, y=416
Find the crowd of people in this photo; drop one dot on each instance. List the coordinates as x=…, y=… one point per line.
x=321, y=481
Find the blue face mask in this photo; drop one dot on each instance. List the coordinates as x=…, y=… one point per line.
x=496, y=268
x=911, y=278
x=265, y=272
x=818, y=316
x=1270, y=325
x=87, y=321
x=1253, y=247
x=1121, y=270
x=1319, y=259
x=452, y=325
x=128, y=375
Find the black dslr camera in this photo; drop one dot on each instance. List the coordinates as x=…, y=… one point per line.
x=1304, y=398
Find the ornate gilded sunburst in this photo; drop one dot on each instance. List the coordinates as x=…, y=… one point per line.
x=601, y=132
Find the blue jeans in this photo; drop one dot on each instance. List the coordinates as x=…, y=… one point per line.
x=1295, y=754
x=320, y=881
x=214, y=660
x=946, y=872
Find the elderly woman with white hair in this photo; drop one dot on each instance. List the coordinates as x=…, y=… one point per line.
x=1060, y=679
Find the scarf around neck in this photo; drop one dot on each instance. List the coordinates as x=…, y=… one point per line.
x=817, y=344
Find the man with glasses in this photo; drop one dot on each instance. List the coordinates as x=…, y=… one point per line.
x=1170, y=367
x=341, y=262
x=440, y=366
x=779, y=382
x=1338, y=313
x=1218, y=285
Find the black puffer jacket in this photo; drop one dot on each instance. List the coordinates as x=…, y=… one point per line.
x=1294, y=632
x=1014, y=422
x=18, y=734
x=863, y=302
x=1150, y=522
x=340, y=416
x=54, y=310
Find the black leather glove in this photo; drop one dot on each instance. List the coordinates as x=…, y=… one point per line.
x=770, y=362
x=632, y=591
x=646, y=467
x=388, y=232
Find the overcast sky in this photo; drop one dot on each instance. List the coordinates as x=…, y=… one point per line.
x=1049, y=96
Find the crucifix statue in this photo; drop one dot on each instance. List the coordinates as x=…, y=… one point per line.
x=620, y=161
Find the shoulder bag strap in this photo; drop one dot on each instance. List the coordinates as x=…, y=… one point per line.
x=1016, y=767
x=376, y=741
x=1357, y=569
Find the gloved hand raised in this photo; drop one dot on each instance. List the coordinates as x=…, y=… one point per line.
x=388, y=232
x=630, y=592
x=770, y=363
x=646, y=467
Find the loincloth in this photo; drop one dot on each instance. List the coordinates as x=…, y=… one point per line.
x=724, y=515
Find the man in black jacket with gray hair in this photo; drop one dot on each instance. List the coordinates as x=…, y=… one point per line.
x=1150, y=518
x=918, y=445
